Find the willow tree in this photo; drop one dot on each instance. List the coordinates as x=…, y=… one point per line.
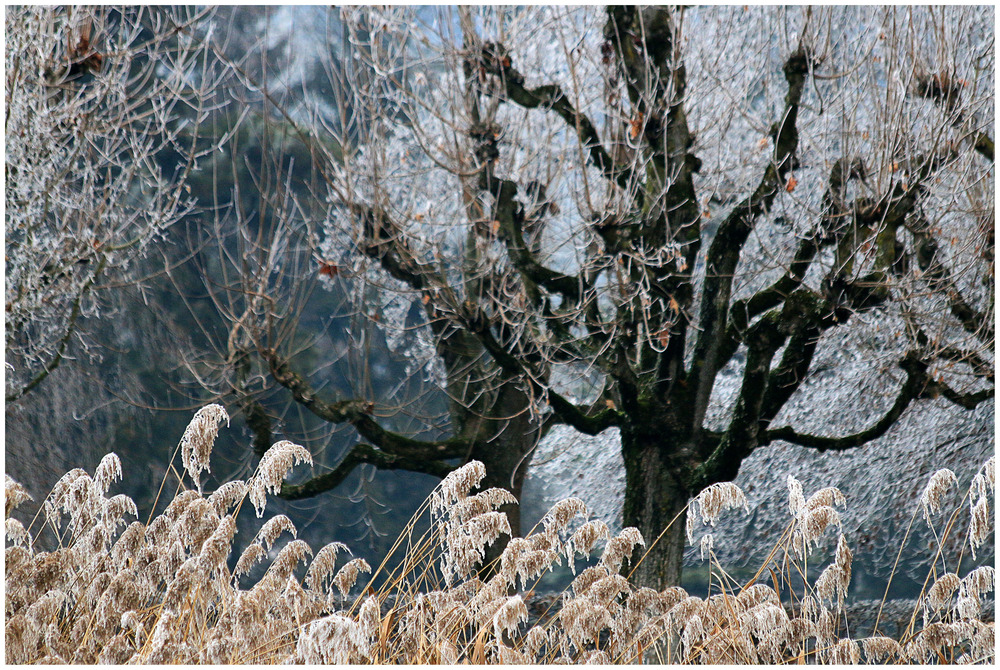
x=598, y=213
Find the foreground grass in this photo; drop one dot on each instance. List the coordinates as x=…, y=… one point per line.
x=163, y=592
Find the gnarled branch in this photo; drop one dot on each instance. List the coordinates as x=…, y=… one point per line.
x=724, y=253
x=358, y=414
x=359, y=454
x=917, y=385
x=551, y=96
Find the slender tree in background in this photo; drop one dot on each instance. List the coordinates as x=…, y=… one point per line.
x=273, y=263
x=638, y=201
x=96, y=98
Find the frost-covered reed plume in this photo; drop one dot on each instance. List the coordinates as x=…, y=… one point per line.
x=173, y=591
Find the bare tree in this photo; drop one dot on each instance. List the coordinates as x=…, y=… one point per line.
x=618, y=193
x=598, y=213
x=269, y=251
x=102, y=117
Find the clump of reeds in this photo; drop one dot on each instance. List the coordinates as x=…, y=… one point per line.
x=116, y=591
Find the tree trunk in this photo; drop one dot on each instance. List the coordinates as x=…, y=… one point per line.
x=504, y=448
x=654, y=500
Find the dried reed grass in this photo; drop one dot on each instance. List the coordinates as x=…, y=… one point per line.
x=163, y=592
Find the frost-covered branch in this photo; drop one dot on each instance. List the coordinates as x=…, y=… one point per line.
x=918, y=384
x=496, y=60
x=724, y=252
x=102, y=136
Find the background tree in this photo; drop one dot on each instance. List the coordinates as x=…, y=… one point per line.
x=572, y=195
x=264, y=285
x=107, y=108
x=94, y=99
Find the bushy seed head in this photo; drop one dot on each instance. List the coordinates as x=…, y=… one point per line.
x=581, y=585
x=796, y=500
x=108, y=470
x=534, y=640
x=620, y=547
x=456, y=486
x=810, y=527
x=979, y=581
x=715, y=500
x=509, y=616
x=215, y=549
x=694, y=633
x=939, y=484
x=288, y=559
x=606, y=589
x=940, y=593
x=480, y=503
x=845, y=652
x=833, y=581
x=13, y=495
x=227, y=496
x=583, y=619
x=583, y=540
x=980, y=524
x=679, y=614
x=251, y=556
x=198, y=439
x=828, y=497
x=271, y=529
x=564, y=511
x=880, y=649
x=15, y=532
x=348, y=575
x=983, y=482
x=272, y=470
x=323, y=564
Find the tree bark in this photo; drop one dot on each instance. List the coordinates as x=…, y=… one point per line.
x=504, y=448
x=655, y=502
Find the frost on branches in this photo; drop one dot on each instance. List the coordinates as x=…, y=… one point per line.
x=96, y=99
x=608, y=199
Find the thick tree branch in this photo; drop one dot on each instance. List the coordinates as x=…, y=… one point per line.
x=939, y=278
x=801, y=315
x=383, y=242
x=984, y=145
x=551, y=96
x=357, y=413
x=511, y=217
x=878, y=429
x=359, y=454
x=643, y=42
x=946, y=91
x=917, y=385
x=259, y=423
x=932, y=349
x=786, y=378
x=588, y=424
x=744, y=311
x=966, y=400
x=568, y=412
x=724, y=253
